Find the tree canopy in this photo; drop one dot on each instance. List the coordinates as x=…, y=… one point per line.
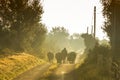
x=20, y=27
x=90, y=41
x=111, y=11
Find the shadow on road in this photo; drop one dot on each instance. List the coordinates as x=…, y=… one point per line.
x=63, y=72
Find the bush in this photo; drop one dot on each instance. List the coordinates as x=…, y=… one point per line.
x=97, y=65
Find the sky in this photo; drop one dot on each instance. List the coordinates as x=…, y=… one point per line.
x=74, y=15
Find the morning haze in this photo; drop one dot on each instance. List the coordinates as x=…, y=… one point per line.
x=59, y=40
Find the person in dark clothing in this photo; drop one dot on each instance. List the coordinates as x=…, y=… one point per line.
x=64, y=54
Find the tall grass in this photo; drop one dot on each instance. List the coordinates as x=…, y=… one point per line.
x=13, y=65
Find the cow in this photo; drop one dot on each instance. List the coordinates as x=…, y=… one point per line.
x=50, y=56
x=71, y=57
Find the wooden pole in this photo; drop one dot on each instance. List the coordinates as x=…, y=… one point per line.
x=87, y=29
x=94, y=21
x=92, y=30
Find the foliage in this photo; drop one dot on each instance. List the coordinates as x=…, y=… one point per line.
x=59, y=32
x=56, y=39
x=104, y=42
x=59, y=38
x=107, y=10
x=111, y=11
x=76, y=42
x=13, y=65
x=20, y=27
x=90, y=41
x=96, y=65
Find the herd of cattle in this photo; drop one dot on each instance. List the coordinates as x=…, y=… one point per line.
x=62, y=56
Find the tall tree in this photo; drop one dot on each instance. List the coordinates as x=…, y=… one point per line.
x=76, y=42
x=56, y=39
x=20, y=24
x=90, y=41
x=60, y=36
x=111, y=11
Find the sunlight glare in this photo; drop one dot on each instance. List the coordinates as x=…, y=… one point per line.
x=74, y=15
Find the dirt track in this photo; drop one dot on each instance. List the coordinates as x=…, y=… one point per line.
x=62, y=72
x=33, y=74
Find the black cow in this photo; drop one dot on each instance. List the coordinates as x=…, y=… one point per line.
x=50, y=56
x=71, y=57
x=58, y=57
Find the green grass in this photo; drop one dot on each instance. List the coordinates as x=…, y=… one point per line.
x=15, y=64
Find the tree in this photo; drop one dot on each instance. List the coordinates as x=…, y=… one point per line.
x=20, y=24
x=76, y=42
x=56, y=40
x=111, y=11
x=90, y=41
x=59, y=32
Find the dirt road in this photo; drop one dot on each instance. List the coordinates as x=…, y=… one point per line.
x=62, y=72
x=33, y=74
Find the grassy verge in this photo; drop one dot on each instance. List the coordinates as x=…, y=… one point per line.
x=13, y=65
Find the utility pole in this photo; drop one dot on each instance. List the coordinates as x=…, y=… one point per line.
x=94, y=21
x=92, y=30
x=87, y=29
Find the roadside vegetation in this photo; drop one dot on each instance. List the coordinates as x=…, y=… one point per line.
x=15, y=64
x=103, y=61
x=97, y=65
